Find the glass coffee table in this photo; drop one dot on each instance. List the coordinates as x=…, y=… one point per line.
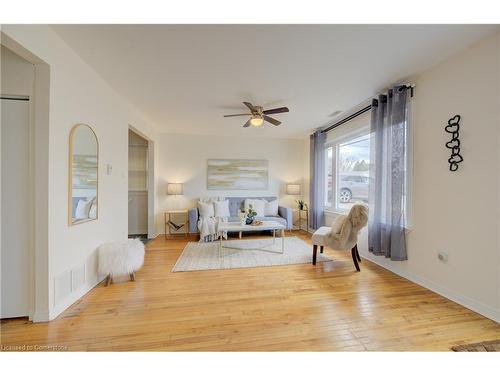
x=273, y=226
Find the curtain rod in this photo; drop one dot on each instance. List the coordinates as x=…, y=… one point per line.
x=360, y=112
x=348, y=118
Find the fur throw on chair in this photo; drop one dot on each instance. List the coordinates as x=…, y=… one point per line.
x=345, y=228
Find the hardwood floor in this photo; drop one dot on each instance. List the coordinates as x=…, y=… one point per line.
x=283, y=308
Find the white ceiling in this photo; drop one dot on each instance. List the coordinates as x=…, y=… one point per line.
x=186, y=77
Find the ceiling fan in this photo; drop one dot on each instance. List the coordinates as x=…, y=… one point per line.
x=258, y=115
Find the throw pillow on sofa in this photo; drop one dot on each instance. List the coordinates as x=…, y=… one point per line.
x=257, y=206
x=271, y=208
x=221, y=208
x=206, y=209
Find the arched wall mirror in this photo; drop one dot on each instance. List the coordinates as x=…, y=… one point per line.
x=83, y=175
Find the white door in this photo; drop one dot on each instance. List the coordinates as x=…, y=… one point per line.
x=15, y=227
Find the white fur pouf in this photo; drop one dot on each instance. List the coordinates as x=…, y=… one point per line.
x=121, y=258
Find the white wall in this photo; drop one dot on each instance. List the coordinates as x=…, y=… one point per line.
x=79, y=95
x=18, y=75
x=184, y=159
x=456, y=212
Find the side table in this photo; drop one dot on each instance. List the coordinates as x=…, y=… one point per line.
x=301, y=217
x=171, y=225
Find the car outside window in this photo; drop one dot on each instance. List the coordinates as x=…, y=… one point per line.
x=347, y=174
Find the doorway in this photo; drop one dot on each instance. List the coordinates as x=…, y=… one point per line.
x=138, y=186
x=16, y=207
x=17, y=185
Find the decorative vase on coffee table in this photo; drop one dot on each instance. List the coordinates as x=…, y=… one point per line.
x=242, y=216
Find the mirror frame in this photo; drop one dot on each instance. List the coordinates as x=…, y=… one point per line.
x=70, y=176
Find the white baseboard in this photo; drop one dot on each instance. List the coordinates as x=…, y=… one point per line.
x=467, y=302
x=40, y=316
x=73, y=297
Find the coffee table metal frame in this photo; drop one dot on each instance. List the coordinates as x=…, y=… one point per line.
x=238, y=227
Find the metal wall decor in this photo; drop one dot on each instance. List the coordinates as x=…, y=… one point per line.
x=453, y=128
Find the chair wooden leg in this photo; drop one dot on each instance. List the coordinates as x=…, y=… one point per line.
x=132, y=276
x=315, y=250
x=108, y=280
x=321, y=249
x=355, y=258
x=357, y=253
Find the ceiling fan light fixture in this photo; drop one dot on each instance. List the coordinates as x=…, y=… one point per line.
x=256, y=121
x=258, y=115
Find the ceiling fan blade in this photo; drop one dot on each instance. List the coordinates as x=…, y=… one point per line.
x=239, y=114
x=272, y=120
x=250, y=106
x=247, y=124
x=275, y=110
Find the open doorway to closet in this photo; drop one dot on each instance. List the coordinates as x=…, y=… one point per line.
x=138, y=185
x=17, y=209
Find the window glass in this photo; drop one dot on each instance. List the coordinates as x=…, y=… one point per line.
x=352, y=171
x=347, y=171
x=329, y=177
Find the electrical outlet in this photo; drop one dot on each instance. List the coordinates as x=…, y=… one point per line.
x=442, y=256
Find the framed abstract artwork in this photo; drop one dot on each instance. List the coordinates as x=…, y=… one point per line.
x=237, y=174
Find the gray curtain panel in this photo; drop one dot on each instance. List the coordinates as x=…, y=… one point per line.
x=317, y=180
x=389, y=141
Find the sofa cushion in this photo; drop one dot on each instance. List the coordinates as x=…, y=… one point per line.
x=276, y=218
x=271, y=208
x=236, y=204
x=221, y=208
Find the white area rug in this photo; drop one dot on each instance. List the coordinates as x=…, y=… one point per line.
x=205, y=256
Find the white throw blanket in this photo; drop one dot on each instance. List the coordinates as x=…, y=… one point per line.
x=208, y=227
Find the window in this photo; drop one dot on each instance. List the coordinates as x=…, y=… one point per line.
x=347, y=171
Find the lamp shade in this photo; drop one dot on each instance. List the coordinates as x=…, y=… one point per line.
x=293, y=189
x=174, y=189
